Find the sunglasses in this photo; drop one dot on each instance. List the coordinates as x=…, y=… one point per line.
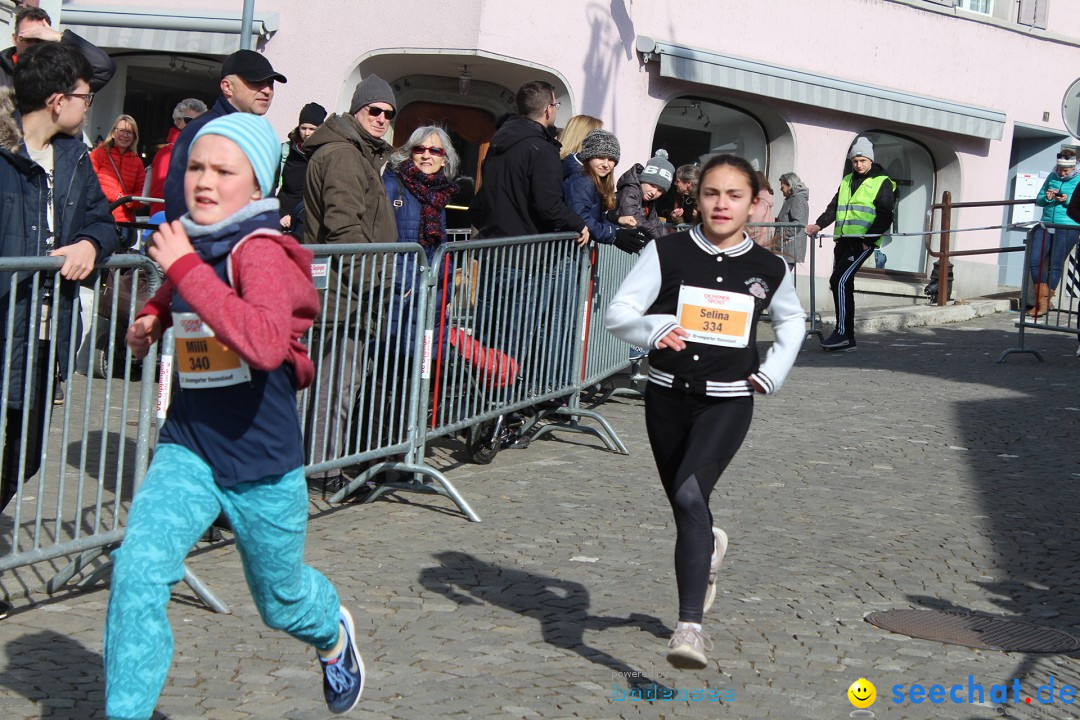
x=377, y=111
x=436, y=151
x=186, y=120
x=1063, y=156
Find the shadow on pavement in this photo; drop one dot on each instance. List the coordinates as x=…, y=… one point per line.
x=1023, y=463
x=61, y=676
x=560, y=606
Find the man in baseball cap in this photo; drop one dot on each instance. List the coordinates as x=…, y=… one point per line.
x=247, y=85
x=250, y=66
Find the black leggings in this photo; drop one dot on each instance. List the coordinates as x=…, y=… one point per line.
x=693, y=439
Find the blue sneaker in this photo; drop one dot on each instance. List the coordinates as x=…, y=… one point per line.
x=343, y=676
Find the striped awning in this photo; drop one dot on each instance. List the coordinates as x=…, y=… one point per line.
x=781, y=83
x=184, y=31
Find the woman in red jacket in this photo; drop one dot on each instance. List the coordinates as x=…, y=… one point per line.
x=119, y=168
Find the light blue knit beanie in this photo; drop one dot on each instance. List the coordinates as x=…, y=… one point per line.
x=256, y=139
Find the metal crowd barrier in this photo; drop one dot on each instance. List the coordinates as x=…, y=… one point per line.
x=362, y=406
x=408, y=351
x=605, y=355
x=513, y=341
x=93, y=450
x=784, y=239
x=1064, y=316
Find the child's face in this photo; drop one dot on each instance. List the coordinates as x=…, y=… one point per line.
x=219, y=180
x=725, y=198
x=650, y=192
x=602, y=167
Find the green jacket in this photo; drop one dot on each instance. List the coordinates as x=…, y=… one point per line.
x=345, y=202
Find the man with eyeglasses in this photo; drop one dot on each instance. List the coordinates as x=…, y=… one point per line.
x=32, y=26
x=521, y=194
x=247, y=85
x=68, y=218
x=185, y=111
x=345, y=202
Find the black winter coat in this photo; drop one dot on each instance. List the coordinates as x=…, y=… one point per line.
x=291, y=193
x=102, y=67
x=80, y=211
x=521, y=191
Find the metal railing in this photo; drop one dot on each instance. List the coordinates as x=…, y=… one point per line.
x=1064, y=315
x=71, y=468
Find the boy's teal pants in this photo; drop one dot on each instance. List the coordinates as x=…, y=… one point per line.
x=172, y=509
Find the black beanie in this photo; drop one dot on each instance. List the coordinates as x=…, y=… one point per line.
x=312, y=113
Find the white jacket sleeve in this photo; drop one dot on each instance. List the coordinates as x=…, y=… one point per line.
x=625, y=317
x=789, y=329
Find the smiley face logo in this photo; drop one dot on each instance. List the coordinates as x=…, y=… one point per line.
x=862, y=693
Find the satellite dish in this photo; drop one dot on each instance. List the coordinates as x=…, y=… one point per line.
x=1070, y=108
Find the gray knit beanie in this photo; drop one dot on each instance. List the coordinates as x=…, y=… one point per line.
x=372, y=89
x=658, y=171
x=599, y=144
x=861, y=148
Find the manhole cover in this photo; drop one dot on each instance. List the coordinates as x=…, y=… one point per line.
x=978, y=631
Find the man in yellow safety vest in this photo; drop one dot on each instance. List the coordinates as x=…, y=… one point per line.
x=862, y=210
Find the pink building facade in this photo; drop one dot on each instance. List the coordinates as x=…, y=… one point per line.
x=957, y=95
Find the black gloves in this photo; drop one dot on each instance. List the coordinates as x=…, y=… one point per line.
x=631, y=240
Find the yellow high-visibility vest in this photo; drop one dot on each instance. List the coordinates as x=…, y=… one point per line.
x=855, y=211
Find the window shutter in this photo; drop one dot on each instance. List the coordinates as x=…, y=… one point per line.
x=1033, y=13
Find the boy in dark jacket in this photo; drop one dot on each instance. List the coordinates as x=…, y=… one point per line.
x=52, y=93
x=639, y=190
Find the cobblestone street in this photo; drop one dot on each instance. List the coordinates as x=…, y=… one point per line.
x=914, y=473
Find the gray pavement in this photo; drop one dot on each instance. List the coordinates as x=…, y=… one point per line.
x=914, y=473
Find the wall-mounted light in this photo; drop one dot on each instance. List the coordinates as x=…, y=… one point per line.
x=464, y=80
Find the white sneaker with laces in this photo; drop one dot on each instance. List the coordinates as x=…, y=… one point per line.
x=688, y=645
x=720, y=540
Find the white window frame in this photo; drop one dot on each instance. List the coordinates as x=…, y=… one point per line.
x=966, y=5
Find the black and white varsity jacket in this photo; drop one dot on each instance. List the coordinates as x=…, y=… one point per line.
x=745, y=277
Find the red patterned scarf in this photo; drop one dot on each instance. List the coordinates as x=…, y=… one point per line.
x=433, y=192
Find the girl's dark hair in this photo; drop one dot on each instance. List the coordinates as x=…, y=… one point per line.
x=736, y=162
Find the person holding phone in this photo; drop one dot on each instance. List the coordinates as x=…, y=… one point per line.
x=1052, y=241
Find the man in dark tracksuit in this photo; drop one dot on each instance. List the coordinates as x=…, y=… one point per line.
x=863, y=210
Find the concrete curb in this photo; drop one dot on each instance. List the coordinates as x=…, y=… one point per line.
x=887, y=319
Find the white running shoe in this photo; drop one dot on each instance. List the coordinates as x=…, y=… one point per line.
x=719, y=549
x=688, y=645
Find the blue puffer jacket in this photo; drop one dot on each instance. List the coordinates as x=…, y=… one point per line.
x=80, y=211
x=1054, y=210
x=581, y=196
x=403, y=313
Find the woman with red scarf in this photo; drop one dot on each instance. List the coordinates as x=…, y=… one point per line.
x=419, y=181
x=119, y=168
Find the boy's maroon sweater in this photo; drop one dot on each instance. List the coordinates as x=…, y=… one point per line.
x=272, y=303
